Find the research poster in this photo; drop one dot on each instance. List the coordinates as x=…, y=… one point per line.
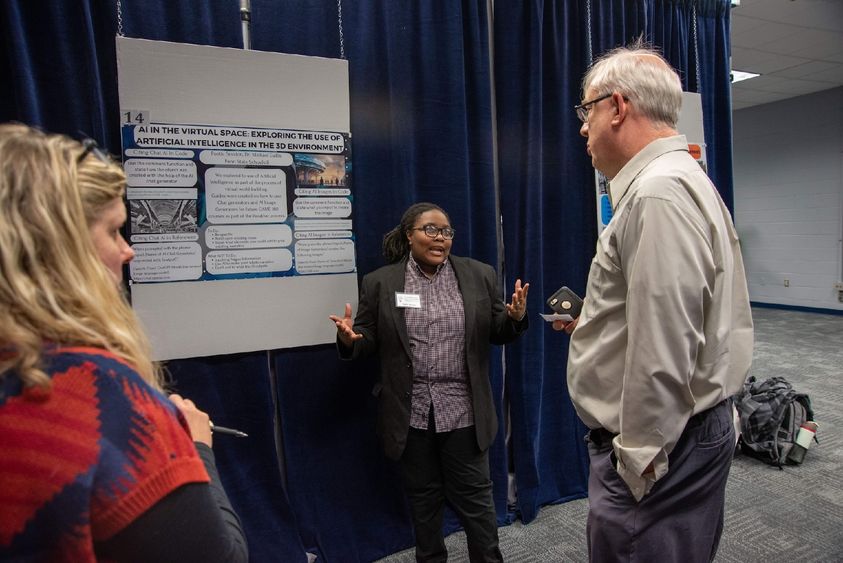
x=240, y=197
x=209, y=202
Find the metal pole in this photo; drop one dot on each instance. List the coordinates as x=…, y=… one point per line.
x=246, y=22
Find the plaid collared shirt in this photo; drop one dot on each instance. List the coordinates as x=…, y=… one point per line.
x=437, y=343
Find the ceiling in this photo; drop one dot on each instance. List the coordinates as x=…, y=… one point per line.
x=796, y=46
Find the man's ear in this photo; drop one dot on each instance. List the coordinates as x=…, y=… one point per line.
x=621, y=107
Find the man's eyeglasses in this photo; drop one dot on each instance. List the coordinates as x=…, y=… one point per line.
x=90, y=146
x=582, y=109
x=433, y=231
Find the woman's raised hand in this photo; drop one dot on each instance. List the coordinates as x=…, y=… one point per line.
x=518, y=308
x=344, y=327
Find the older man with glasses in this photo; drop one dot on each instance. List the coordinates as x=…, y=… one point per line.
x=665, y=334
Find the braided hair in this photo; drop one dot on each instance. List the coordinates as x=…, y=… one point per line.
x=395, y=246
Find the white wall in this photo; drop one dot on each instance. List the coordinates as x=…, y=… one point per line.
x=788, y=168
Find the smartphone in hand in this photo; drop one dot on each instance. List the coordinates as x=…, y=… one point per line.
x=565, y=302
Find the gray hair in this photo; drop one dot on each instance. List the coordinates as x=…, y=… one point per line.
x=642, y=75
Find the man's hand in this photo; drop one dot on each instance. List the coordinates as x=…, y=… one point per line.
x=568, y=327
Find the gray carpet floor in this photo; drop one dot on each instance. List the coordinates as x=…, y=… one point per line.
x=772, y=515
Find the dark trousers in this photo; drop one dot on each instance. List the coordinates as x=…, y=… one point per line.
x=436, y=467
x=681, y=519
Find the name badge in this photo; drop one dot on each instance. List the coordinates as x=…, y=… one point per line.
x=408, y=300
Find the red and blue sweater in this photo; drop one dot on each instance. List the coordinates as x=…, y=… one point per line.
x=81, y=461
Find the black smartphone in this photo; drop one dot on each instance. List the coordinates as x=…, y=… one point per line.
x=565, y=302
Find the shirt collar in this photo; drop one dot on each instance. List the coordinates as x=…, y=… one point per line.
x=619, y=185
x=411, y=262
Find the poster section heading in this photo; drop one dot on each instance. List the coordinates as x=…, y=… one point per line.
x=210, y=202
x=159, y=135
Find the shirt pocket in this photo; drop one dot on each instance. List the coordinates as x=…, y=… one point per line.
x=605, y=271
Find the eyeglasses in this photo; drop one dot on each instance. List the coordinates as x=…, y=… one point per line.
x=583, y=108
x=433, y=231
x=90, y=146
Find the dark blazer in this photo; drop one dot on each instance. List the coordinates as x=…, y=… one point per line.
x=384, y=332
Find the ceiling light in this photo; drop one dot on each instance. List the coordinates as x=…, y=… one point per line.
x=738, y=75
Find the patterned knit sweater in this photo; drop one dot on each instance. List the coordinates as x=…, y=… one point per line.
x=80, y=462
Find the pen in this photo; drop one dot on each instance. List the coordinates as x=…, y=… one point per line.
x=229, y=431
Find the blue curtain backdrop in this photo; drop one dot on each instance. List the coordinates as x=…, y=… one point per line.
x=422, y=116
x=549, y=230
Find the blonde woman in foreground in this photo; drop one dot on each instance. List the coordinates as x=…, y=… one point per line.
x=97, y=463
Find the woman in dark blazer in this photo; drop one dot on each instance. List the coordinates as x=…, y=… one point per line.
x=431, y=317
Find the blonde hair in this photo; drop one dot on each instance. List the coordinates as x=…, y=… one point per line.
x=53, y=287
x=100, y=183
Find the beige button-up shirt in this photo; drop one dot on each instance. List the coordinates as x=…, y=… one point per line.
x=666, y=328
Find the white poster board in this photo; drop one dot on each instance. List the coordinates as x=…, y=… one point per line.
x=690, y=124
x=239, y=194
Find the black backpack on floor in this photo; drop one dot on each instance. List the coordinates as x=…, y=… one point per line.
x=771, y=413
